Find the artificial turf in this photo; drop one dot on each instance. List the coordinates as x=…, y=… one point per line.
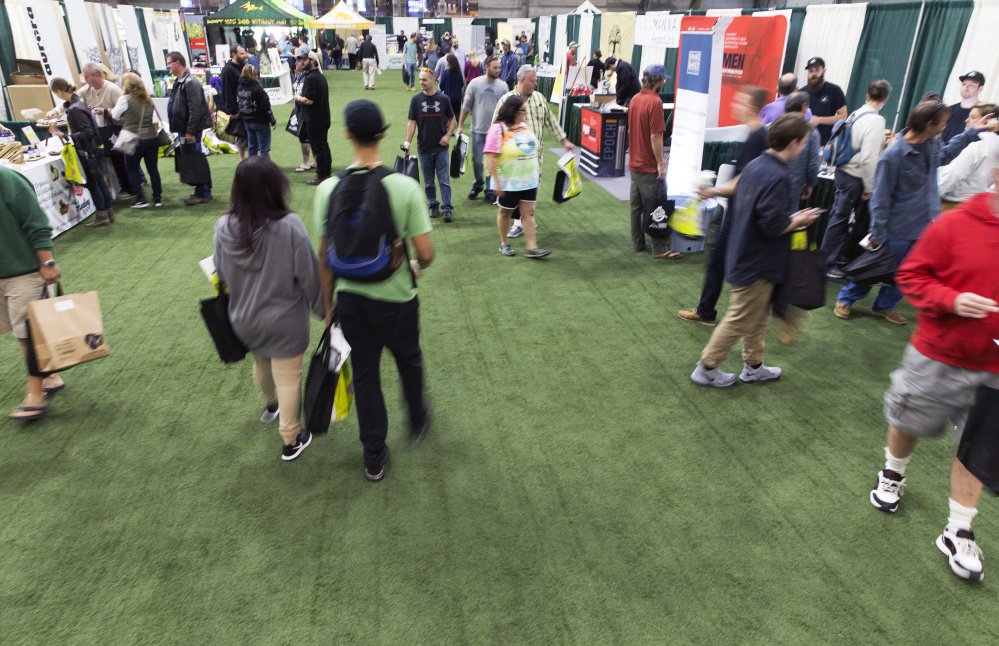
x=575, y=487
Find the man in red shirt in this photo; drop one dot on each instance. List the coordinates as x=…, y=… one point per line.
x=646, y=125
x=949, y=276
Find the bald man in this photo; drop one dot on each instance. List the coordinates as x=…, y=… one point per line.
x=785, y=87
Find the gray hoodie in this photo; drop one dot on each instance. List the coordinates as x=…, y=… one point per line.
x=273, y=285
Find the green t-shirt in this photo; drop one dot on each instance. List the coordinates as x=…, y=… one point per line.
x=412, y=218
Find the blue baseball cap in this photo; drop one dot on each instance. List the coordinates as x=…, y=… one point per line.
x=657, y=70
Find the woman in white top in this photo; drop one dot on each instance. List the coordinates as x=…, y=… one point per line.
x=135, y=111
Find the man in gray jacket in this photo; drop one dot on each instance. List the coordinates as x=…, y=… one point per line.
x=187, y=112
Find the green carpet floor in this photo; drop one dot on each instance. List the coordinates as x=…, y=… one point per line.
x=576, y=486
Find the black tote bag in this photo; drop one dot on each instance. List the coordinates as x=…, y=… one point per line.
x=804, y=285
x=320, y=389
x=876, y=267
x=979, y=447
x=192, y=167
x=215, y=312
x=408, y=165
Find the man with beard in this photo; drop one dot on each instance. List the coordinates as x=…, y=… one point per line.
x=826, y=100
x=315, y=101
x=971, y=88
x=481, y=97
x=230, y=83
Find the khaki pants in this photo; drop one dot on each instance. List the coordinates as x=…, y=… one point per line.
x=370, y=69
x=280, y=380
x=747, y=317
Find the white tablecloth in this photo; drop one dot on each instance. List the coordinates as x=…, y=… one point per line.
x=56, y=196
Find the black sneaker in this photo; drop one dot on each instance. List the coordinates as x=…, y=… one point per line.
x=474, y=193
x=292, y=451
x=434, y=212
x=418, y=432
x=140, y=204
x=490, y=197
x=448, y=216
x=374, y=469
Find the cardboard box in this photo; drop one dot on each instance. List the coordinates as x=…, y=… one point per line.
x=26, y=79
x=603, y=99
x=24, y=97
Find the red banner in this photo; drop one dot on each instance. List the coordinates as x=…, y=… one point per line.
x=753, y=56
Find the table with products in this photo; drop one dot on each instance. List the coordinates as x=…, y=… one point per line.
x=65, y=204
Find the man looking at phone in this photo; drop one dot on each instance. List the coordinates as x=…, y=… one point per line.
x=950, y=277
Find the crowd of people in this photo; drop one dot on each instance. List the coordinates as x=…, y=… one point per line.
x=888, y=191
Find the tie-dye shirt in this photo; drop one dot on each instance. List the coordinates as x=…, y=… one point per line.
x=517, y=148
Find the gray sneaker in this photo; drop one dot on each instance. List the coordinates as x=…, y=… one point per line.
x=538, y=253
x=714, y=377
x=507, y=250
x=515, y=231
x=763, y=373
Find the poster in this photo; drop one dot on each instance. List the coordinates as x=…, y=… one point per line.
x=698, y=79
x=585, y=39
x=753, y=56
x=48, y=30
x=135, y=48
x=379, y=39
x=542, y=44
x=85, y=41
x=617, y=34
x=108, y=22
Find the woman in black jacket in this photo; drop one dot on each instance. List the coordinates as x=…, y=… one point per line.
x=89, y=148
x=255, y=112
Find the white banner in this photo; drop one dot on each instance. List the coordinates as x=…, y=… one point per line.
x=521, y=25
x=85, y=42
x=561, y=40
x=108, y=21
x=378, y=36
x=543, y=36
x=461, y=28
x=136, y=49
x=47, y=29
x=662, y=29
x=585, y=38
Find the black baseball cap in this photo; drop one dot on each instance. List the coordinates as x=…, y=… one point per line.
x=364, y=119
x=815, y=61
x=975, y=76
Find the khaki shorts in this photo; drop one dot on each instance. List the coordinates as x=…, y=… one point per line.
x=15, y=294
x=926, y=394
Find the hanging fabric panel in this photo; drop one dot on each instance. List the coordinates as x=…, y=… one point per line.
x=883, y=53
x=831, y=32
x=938, y=44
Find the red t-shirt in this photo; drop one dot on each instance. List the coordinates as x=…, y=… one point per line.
x=645, y=118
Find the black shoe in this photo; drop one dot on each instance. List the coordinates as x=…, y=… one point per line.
x=448, y=216
x=434, y=211
x=418, y=432
x=374, y=469
x=292, y=451
x=316, y=181
x=474, y=193
x=490, y=197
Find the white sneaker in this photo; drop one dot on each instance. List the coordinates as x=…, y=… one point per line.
x=963, y=553
x=750, y=374
x=713, y=377
x=887, y=490
x=515, y=231
x=269, y=415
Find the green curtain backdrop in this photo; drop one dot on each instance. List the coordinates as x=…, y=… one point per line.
x=937, y=45
x=793, y=38
x=883, y=52
x=552, y=29
x=572, y=28
x=144, y=33
x=7, y=59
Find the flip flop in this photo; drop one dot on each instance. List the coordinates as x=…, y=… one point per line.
x=302, y=169
x=669, y=255
x=54, y=389
x=29, y=413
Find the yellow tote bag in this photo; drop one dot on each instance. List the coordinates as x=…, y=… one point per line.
x=343, y=397
x=74, y=170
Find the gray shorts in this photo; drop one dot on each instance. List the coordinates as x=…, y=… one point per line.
x=926, y=394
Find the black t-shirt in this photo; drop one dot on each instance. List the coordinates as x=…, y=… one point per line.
x=824, y=102
x=315, y=88
x=432, y=115
x=598, y=71
x=752, y=148
x=955, y=122
x=230, y=84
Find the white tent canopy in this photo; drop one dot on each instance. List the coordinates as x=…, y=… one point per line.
x=342, y=17
x=586, y=7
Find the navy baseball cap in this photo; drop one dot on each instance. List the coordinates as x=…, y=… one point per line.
x=975, y=76
x=657, y=70
x=364, y=119
x=815, y=61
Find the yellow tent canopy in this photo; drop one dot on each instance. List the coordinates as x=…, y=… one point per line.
x=342, y=17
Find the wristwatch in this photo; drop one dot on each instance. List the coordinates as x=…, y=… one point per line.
x=49, y=264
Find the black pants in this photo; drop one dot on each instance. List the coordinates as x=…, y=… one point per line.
x=369, y=326
x=848, y=199
x=317, y=135
x=353, y=61
x=714, y=271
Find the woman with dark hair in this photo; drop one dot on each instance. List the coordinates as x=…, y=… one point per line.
x=512, y=152
x=452, y=83
x=264, y=258
x=89, y=148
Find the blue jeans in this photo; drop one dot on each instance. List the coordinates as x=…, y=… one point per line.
x=478, y=143
x=411, y=71
x=429, y=164
x=258, y=138
x=888, y=295
x=203, y=191
x=147, y=151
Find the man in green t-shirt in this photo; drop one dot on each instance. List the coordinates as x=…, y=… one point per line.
x=27, y=264
x=386, y=314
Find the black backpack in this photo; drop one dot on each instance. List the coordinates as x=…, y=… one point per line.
x=363, y=243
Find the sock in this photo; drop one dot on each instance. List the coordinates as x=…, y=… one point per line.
x=755, y=366
x=960, y=516
x=896, y=464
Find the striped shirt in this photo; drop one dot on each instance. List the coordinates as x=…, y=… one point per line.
x=538, y=116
